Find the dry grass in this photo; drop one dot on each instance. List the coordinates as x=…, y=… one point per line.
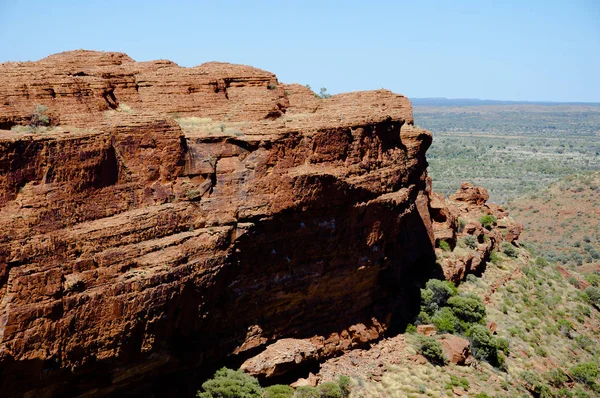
x=207, y=127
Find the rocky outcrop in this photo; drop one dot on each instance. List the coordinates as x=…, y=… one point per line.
x=174, y=217
x=458, y=222
x=135, y=245
x=456, y=349
x=78, y=86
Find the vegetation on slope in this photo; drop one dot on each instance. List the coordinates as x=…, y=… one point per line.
x=562, y=222
x=549, y=328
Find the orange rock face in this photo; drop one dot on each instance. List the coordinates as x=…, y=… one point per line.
x=459, y=218
x=135, y=245
x=174, y=217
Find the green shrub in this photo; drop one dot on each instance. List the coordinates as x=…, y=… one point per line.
x=471, y=241
x=586, y=373
x=536, y=385
x=445, y=246
x=227, y=383
x=509, y=250
x=541, y=351
x=593, y=279
x=541, y=262
x=482, y=395
x=556, y=377
x=307, y=392
x=38, y=118
x=423, y=318
x=494, y=257
x=585, y=342
x=502, y=344
x=278, y=391
x=436, y=295
x=487, y=220
x=469, y=308
x=564, y=393
x=344, y=383
x=483, y=344
x=410, y=328
x=459, y=382
x=323, y=93
x=593, y=293
x=330, y=390
x=431, y=349
x=574, y=281
x=565, y=326
x=445, y=321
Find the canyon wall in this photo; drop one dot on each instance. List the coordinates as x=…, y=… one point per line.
x=172, y=217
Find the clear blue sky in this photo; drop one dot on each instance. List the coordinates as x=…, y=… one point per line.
x=511, y=50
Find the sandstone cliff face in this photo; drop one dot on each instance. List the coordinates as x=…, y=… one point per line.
x=133, y=247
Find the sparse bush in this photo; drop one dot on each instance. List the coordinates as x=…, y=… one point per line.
x=593, y=279
x=323, y=93
x=344, y=383
x=494, y=257
x=565, y=326
x=445, y=246
x=272, y=86
x=471, y=241
x=307, y=392
x=459, y=382
x=593, y=293
x=541, y=262
x=410, y=328
x=487, y=221
x=573, y=281
x=536, y=385
x=431, y=349
x=330, y=390
x=509, y=250
x=585, y=342
x=278, y=391
x=227, y=383
x=541, y=351
x=556, y=377
x=38, y=118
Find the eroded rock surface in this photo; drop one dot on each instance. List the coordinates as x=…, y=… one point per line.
x=134, y=245
x=458, y=221
x=174, y=217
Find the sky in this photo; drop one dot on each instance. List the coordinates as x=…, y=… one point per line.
x=506, y=50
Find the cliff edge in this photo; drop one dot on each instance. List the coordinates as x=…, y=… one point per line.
x=169, y=218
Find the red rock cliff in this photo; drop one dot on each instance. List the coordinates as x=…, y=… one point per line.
x=135, y=245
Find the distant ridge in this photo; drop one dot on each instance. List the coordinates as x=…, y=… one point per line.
x=475, y=101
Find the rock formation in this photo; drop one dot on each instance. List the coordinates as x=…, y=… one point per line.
x=172, y=217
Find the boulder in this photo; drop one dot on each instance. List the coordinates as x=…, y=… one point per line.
x=426, y=330
x=456, y=349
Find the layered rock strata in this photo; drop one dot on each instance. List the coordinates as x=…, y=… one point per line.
x=171, y=217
